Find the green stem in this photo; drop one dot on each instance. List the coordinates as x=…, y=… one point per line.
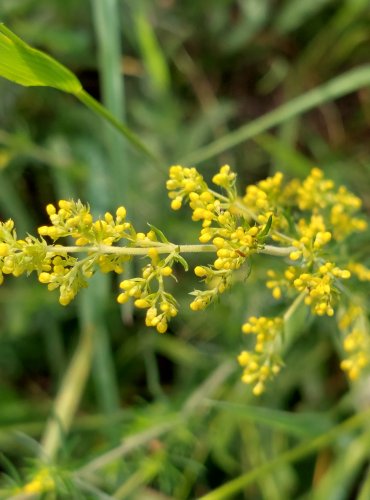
x=231, y=488
x=294, y=306
x=95, y=106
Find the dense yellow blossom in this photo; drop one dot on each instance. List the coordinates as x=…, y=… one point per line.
x=356, y=340
x=307, y=221
x=263, y=362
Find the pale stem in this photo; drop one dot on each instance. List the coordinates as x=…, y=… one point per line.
x=293, y=306
x=162, y=249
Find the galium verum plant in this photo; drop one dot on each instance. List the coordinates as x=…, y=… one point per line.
x=302, y=222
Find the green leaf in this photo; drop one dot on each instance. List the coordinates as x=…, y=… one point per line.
x=26, y=66
x=182, y=261
x=159, y=233
x=30, y=67
x=339, y=86
x=266, y=229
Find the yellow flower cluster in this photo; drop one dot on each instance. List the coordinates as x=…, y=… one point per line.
x=234, y=239
x=356, y=342
x=362, y=272
x=263, y=362
x=320, y=287
x=345, y=204
x=262, y=200
x=75, y=220
x=339, y=206
x=19, y=256
x=183, y=181
x=161, y=306
x=313, y=237
x=315, y=191
x=308, y=221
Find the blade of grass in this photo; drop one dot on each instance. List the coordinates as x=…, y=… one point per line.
x=151, y=51
x=147, y=471
x=236, y=485
x=91, y=313
x=130, y=443
x=345, y=470
x=298, y=424
x=69, y=395
x=364, y=492
x=294, y=162
x=337, y=87
x=107, y=30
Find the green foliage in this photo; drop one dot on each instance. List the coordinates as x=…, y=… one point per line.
x=262, y=85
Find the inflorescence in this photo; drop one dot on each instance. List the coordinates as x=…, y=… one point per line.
x=302, y=222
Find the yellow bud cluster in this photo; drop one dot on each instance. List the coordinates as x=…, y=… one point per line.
x=315, y=191
x=202, y=299
x=75, y=220
x=225, y=178
x=161, y=306
x=183, y=181
x=263, y=363
x=343, y=222
x=362, y=272
x=319, y=287
x=319, y=194
x=356, y=341
x=264, y=195
x=313, y=236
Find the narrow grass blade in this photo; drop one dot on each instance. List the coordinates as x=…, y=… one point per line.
x=153, y=56
x=298, y=424
x=107, y=32
x=337, y=87
x=230, y=489
x=69, y=395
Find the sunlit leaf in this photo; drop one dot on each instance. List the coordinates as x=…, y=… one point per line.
x=30, y=67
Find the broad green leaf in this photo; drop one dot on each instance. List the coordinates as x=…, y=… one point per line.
x=30, y=67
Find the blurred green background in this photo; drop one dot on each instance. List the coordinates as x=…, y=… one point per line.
x=192, y=79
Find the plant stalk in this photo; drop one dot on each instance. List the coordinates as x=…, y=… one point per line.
x=161, y=249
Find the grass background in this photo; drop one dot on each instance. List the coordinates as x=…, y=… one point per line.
x=193, y=80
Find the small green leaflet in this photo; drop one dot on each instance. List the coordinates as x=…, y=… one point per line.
x=182, y=261
x=30, y=67
x=159, y=233
x=264, y=233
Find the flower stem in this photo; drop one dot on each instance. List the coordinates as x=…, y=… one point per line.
x=161, y=249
